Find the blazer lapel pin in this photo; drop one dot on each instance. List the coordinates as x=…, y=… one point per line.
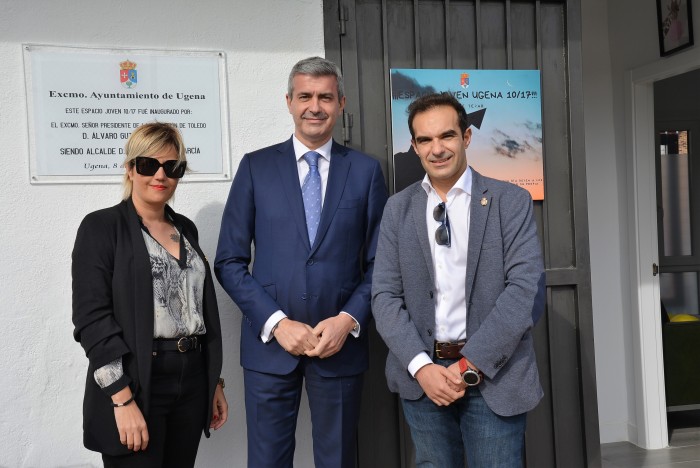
x=484, y=201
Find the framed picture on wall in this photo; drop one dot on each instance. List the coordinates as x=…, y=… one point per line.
x=675, y=25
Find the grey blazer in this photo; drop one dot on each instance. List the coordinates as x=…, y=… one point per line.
x=504, y=283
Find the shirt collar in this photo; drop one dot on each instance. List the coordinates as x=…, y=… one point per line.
x=464, y=183
x=168, y=215
x=300, y=149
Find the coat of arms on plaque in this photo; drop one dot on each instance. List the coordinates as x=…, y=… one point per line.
x=127, y=74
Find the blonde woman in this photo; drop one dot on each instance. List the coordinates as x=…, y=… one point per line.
x=145, y=312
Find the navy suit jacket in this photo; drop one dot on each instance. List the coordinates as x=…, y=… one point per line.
x=504, y=285
x=309, y=283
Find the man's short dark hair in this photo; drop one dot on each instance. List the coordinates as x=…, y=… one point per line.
x=430, y=101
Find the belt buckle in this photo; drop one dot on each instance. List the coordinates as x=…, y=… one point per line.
x=184, y=344
x=438, y=350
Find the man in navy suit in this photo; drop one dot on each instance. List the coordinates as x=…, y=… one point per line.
x=312, y=209
x=458, y=285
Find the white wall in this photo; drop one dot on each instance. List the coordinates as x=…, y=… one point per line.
x=618, y=36
x=42, y=369
x=606, y=215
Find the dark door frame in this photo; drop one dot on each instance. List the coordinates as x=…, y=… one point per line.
x=568, y=417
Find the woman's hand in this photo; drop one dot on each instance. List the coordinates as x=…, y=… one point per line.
x=219, y=413
x=130, y=422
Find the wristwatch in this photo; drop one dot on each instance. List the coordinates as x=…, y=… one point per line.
x=471, y=377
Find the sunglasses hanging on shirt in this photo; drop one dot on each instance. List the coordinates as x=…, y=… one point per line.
x=442, y=233
x=174, y=169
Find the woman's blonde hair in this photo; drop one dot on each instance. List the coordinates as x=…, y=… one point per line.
x=147, y=140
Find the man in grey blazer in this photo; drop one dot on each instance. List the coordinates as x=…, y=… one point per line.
x=458, y=285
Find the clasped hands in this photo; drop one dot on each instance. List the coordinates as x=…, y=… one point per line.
x=443, y=385
x=322, y=341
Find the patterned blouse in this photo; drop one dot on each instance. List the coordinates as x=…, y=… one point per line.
x=178, y=292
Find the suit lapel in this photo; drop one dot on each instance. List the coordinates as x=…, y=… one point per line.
x=477, y=224
x=337, y=177
x=289, y=175
x=143, y=295
x=419, y=202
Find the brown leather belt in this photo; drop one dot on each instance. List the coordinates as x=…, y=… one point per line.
x=448, y=350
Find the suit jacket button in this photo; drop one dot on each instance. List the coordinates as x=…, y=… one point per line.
x=430, y=332
x=310, y=261
x=430, y=293
x=303, y=296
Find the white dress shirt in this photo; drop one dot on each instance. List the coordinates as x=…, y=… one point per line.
x=450, y=264
x=324, y=165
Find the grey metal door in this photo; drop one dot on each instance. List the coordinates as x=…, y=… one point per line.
x=368, y=37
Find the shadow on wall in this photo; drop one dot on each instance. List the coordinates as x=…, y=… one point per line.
x=208, y=222
x=229, y=443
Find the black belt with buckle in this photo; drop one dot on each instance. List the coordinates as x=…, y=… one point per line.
x=447, y=350
x=182, y=345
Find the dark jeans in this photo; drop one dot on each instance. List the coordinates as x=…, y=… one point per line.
x=177, y=414
x=444, y=436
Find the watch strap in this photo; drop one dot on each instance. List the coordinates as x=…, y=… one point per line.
x=463, y=365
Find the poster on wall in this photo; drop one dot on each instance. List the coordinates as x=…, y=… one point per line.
x=83, y=104
x=505, y=114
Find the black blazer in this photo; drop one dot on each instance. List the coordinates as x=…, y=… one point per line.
x=113, y=315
